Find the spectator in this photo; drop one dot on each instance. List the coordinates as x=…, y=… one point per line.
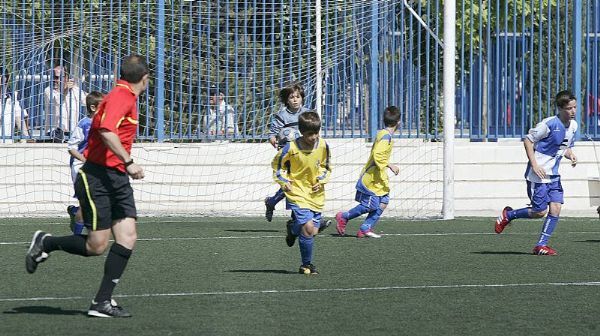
x=220, y=118
x=62, y=103
x=12, y=114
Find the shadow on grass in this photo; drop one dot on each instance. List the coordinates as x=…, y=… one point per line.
x=501, y=252
x=588, y=241
x=263, y=271
x=43, y=310
x=252, y=230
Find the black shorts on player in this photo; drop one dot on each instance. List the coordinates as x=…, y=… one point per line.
x=105, y=195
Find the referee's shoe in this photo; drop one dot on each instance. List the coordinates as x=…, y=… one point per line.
x=35, y=253
x=107, y=308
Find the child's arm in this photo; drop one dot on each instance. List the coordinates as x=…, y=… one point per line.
x=72, y=145
x=279, y=175
x=74, y=153
x=324, y=170
x=394, y=168
x=276, y=125
x=273, y=141
x=569, y=154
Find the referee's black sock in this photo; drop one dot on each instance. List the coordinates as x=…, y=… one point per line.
x=115, y=264
x=71, y=244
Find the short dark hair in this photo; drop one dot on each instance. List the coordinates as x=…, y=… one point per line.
x=133, y=68
x=563, y=98
x=309, y=122
x=215, y=90
x=391, y=116
x=287, y=91
x=93, y=99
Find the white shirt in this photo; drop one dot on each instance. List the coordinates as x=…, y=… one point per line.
x=63, y=111
x=221, y=121
x=11, y=115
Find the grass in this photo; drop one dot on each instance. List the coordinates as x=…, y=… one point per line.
x=227, y=276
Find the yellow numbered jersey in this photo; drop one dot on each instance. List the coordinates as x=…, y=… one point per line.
x=373, y=178
x=303, y=169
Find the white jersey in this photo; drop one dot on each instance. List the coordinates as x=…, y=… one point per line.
x=551, y=138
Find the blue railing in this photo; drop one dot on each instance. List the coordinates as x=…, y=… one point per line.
x=511, y=60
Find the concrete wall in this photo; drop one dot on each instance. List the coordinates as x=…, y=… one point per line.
x=232, y=179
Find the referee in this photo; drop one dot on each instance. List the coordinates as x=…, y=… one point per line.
x=103, y=189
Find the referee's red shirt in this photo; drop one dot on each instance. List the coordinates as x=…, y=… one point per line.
x=116, y=113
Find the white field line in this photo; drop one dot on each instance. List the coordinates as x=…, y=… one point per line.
x=243, y=220
x=335, y=237
x=315, y=290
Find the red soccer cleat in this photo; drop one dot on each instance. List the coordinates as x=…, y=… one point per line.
x=544, y=250
x=341, y=223
x=502, y=221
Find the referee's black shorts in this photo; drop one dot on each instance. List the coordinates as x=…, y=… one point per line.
x=104, y=195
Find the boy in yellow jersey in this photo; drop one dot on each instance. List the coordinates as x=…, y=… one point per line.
x=302, y=168
x=373, y=187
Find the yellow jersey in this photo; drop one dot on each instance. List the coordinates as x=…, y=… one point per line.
x=373, y=178
x=303, y=169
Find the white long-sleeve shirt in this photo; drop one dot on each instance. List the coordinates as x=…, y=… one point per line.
x=62, y=110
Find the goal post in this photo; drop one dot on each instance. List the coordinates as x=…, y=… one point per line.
x=449, y=106
x=218, y=68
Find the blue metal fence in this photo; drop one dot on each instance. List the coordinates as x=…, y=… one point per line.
x=512, y=58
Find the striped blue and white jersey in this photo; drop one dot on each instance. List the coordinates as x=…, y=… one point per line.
x=285, y=119
x=79, y=138
x=551, y=139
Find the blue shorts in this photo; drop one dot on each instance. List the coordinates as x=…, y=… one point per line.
x=540, y=194
x=370, y=201
x=302, y=216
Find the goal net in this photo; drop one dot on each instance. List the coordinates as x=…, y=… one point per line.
x=205, y=159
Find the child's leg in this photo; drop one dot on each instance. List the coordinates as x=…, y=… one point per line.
x=342, y=218
x=357, y=211
x=364, y=202
x=373, y=218
x=539, y=197
x=555, y=197
x=306, y=242
x=519, y=213
x=547, y=229
x=78, y=226
x=270, y=203
x=273, y=200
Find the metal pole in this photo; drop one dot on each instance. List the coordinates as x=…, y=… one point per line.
x=160, y=73
x=374, y=79
x=577, y=52
x=449, y=83
x=319, y=77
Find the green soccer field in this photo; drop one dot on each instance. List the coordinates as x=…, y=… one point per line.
x=229, y=276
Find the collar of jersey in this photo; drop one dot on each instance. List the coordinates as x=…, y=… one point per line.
x=125, y=84
x=297, y=142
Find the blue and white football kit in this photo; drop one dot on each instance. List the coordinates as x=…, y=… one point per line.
x=79, y=142
x=551, y=139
